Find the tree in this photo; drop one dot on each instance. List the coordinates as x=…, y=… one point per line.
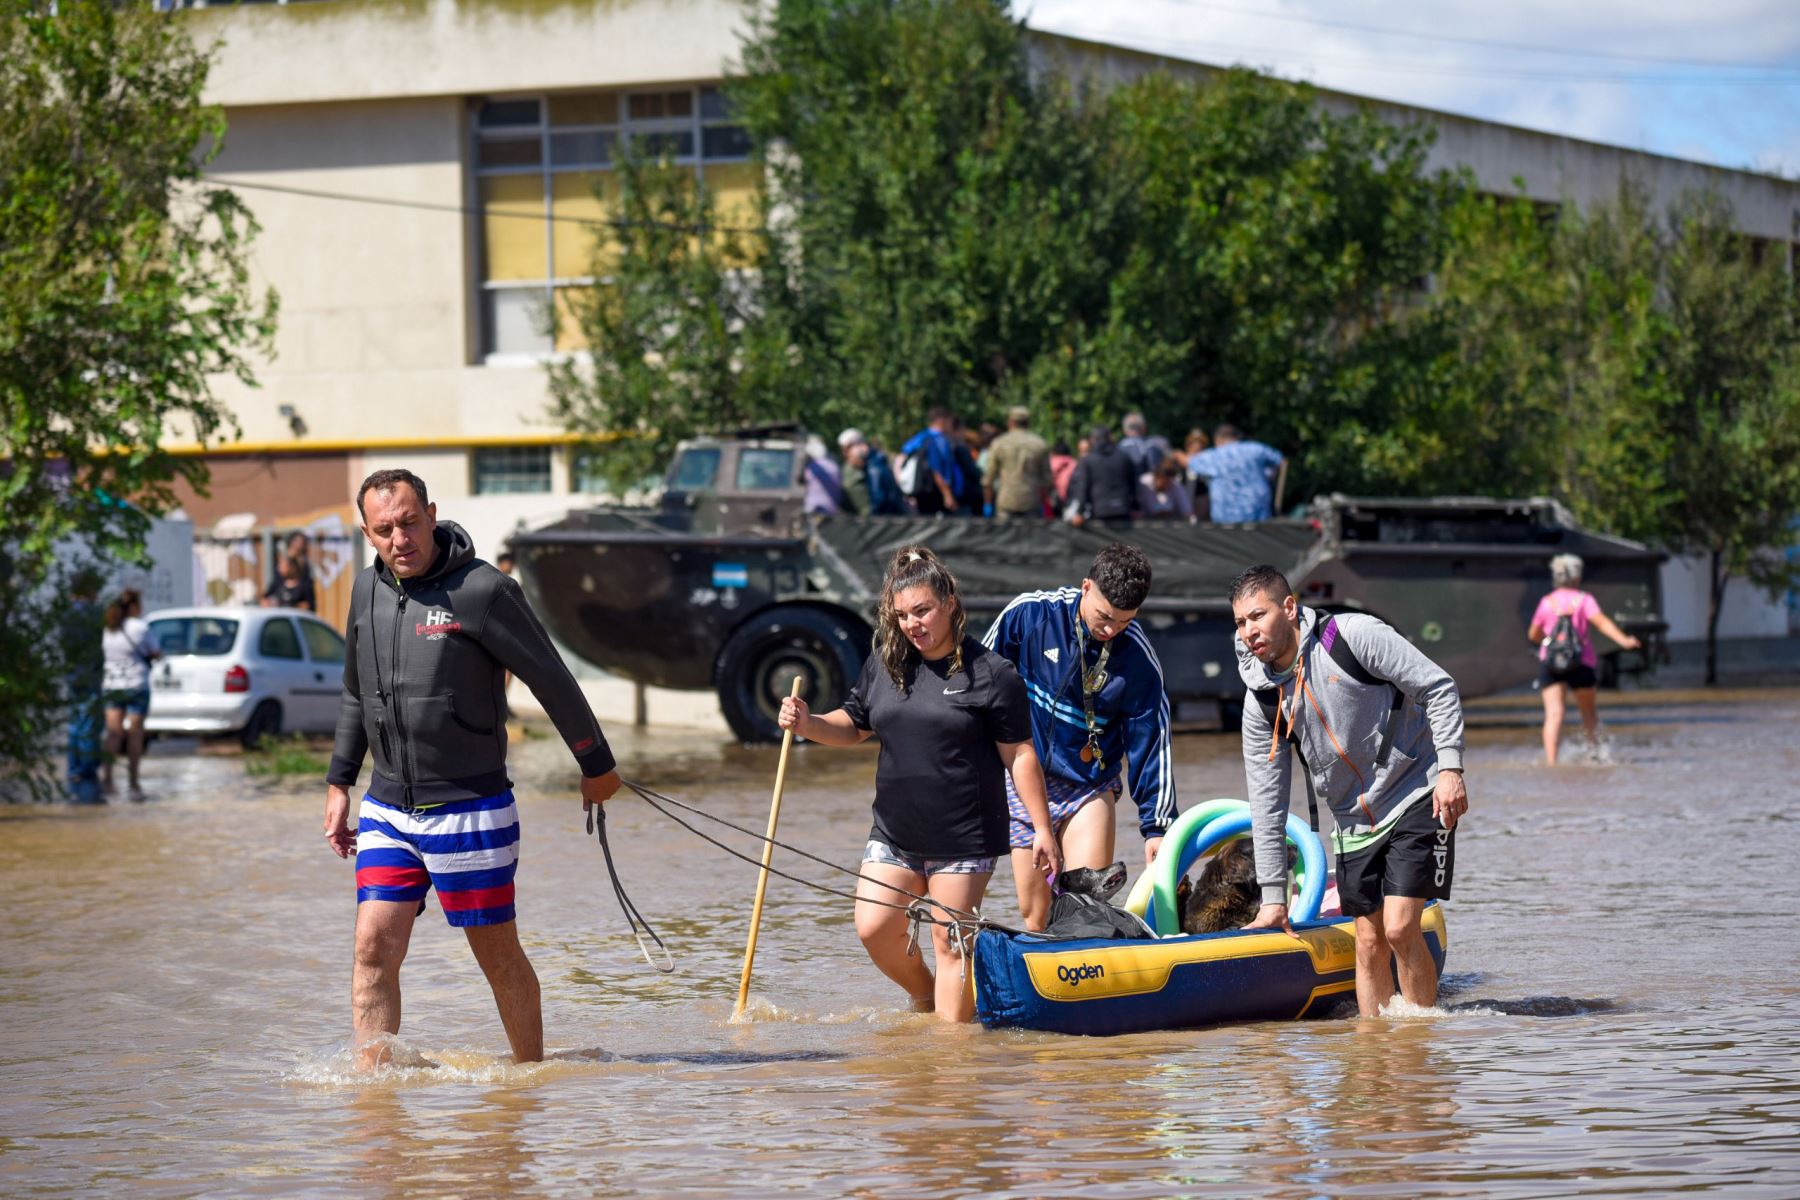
x=123, y=290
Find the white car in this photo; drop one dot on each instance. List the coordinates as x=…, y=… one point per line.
x=255, y=672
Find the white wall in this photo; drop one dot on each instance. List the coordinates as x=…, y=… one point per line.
x=1748, y=612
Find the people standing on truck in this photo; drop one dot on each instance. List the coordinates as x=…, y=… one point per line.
x=971, y=500
x=1145, y=450
x=1062, y=468
x=929, y=463
x=1163, y=493
x=128, y=650
x=1104, y=486
x=824, y=485
x=1562, y=630
x=1098, y=701
x=869, y=487
x=431, y=631
x=956, y=732
x=1018, y=478
x=1378, y=730
x=1197, y=442
x=1239, y=475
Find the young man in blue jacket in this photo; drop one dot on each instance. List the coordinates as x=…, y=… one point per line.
x=1097, y=702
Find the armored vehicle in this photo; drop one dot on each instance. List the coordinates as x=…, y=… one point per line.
x=728, y=585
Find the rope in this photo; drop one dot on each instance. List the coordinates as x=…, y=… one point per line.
x=596, y=824
x=918, y=911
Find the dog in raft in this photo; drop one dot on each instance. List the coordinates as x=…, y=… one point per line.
x=1226, y=895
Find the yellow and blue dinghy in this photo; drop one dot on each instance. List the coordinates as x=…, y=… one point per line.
x=1105, y=986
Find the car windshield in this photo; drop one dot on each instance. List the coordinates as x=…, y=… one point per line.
x=695, y=469
x=194, y=635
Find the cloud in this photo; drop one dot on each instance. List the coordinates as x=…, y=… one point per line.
x=1718, y=81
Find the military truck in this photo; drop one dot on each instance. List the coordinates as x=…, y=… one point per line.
x=728, y=585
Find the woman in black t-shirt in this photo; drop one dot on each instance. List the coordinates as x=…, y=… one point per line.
x=953, y=719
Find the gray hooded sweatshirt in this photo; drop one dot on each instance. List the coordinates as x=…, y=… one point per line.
x=1338, y=722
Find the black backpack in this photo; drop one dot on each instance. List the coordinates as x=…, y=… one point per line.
x=1331, y=637
x=1562, y=648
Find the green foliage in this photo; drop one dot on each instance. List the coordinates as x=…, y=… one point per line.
x=123, y=288
x=278, y=758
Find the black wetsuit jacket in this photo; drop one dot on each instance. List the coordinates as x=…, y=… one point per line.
x=424, y=681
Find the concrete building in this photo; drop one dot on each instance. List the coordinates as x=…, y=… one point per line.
x=422, y=168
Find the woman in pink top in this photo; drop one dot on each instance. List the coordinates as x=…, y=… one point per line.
x=1580, y=676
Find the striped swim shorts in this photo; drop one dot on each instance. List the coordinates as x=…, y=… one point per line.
x=1065, y=798
x=468, y=850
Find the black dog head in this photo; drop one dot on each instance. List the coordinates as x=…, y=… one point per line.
x=1087, y=881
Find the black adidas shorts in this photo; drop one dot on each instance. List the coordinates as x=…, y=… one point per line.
x=1416, y=858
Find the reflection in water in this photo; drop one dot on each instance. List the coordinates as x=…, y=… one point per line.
x=1619, y=1006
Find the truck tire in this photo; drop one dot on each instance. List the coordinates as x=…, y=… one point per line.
x=760, y=659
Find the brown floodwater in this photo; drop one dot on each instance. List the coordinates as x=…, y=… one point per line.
x=1621, y=1017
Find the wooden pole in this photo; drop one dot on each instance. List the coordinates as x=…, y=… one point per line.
x=762, y=879
x=1280, y=483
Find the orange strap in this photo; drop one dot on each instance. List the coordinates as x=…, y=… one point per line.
x=1301, y=689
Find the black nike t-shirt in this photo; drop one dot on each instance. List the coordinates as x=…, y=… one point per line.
x=940, y=787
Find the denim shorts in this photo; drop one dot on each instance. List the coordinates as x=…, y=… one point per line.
x=132, y=700
x=880, y=852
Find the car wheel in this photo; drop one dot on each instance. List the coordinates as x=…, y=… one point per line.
x=264, y=722
x=756, y=668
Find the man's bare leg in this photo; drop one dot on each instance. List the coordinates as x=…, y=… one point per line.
x=383, y=932
x=1086, y=839
x=1374, y=966
x=1401, y=917
x=515, y=986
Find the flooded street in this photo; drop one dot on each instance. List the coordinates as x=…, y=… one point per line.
x=1622, y=1010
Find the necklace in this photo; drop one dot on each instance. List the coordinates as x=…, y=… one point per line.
x=1092, y=680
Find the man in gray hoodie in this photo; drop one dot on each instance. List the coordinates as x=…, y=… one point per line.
x=1378, y=729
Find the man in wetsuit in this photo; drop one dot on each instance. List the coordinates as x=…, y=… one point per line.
x=431, y=633
x=1378, y=728
x=1097, y=701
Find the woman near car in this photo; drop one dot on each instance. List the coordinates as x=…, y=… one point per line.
x=953, y=719
x=128, y=652
x=1580, y=676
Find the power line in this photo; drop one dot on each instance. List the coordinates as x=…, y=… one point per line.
x=1703, y=64
x=478, y=211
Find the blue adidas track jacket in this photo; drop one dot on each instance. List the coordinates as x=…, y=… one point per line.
x=1037, y=633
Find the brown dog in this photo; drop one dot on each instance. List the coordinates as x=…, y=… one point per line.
x=1226, y=895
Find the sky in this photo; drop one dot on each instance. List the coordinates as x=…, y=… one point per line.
x=1718, y=82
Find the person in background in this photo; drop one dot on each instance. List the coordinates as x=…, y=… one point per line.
x=824, y=486
x=128, y=651
x=932, y=447
x=1018, y=476
x=1581, y=677
x=1239, y=475
x=1145, y=451
x=954, y=722
x=1163, y=492
x=1196, y=442
x=294, y=590
x=869, y=485
x=1062, y=466
x=289, y=589
x=1105, y=484
x=971, y=498
x=503, y=563
x=84, y=673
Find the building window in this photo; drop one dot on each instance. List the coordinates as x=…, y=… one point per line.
x=510, y=469
x=544, y=167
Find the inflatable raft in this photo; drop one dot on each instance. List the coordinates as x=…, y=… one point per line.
x=1107, y=986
